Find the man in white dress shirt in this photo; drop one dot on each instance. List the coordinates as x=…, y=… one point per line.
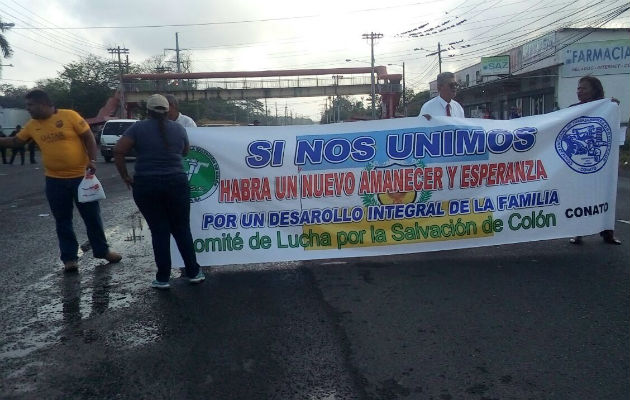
x=175, y=115
x=443, y=104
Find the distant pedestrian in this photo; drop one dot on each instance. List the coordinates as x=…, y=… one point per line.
x=514, y=113
x=31, y=151
x=68, y=152
x=3, y=150
x=444, y=104
x=175, y=115
x=160, y=187
x=17, y=150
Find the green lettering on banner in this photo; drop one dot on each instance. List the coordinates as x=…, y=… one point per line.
x=259, y=242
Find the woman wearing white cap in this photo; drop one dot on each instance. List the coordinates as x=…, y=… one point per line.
x=160, y=186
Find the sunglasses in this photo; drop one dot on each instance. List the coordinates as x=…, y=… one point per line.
x=453, y=85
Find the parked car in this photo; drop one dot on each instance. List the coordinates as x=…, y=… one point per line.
x=112, y=131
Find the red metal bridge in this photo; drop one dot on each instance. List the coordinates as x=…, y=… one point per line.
x=239, y=85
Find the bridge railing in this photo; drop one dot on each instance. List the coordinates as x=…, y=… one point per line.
x=240, y=84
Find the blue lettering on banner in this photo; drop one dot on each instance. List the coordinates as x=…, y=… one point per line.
x=459, y=142
x=398, y=146
x=335, y=150
x=263, y=153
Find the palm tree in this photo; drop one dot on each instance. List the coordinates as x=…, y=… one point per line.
x=5, y=48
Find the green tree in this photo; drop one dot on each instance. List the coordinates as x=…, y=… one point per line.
x=416, y=101
x=12, y=96
x=5, y=47
x=342, y=108
x=84, y=85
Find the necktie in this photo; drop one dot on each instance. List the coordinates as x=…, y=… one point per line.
x=448, y=109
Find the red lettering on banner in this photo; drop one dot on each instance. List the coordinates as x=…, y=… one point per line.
x=327, y=184
x=401, y=180
x=244, y=189
x=506, y=173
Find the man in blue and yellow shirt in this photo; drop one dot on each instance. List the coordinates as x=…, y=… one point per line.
x=68, y=149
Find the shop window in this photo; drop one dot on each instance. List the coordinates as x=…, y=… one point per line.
x=525, y=106
x=550, y=104
x=537, y=104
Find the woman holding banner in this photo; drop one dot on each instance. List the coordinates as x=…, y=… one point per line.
x=160, y=186
x=591, y=89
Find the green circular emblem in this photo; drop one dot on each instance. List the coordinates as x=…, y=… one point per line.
x=203, y=173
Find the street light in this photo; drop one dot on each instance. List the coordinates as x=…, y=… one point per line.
x=404, y=94
x=4, y=65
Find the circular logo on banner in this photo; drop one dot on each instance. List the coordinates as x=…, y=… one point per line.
x=203, y=173
x=584, y=144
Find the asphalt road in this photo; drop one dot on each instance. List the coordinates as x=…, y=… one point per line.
x=540, y=320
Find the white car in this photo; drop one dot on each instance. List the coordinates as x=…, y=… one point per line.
x=112, y=131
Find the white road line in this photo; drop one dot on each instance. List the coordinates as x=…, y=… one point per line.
x=625, y=222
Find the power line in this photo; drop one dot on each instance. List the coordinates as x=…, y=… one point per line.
x=246, y=21
x=51, y=37
x=527, y=35
x=76, y=39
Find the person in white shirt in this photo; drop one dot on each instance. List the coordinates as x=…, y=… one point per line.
x=443, y=105
x=175, y=115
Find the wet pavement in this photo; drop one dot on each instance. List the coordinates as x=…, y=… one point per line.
x=542, y=320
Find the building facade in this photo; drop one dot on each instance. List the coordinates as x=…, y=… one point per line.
x=542, y=75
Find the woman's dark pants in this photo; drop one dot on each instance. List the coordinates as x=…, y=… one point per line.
x=164, y=201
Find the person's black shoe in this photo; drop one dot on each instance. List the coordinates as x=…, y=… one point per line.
x=609, y=237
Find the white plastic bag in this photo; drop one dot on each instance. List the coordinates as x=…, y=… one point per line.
x=90, y=189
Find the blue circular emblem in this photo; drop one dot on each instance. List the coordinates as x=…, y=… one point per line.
x=584, y=144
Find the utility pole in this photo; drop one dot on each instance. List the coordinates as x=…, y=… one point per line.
x=439, y=54
x=121, y=87
x=177, y=50
x=372, y=36
x=336, y=80
x=404, y=93
x=266, y=113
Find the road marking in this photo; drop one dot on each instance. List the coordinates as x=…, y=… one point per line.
x=625, y=222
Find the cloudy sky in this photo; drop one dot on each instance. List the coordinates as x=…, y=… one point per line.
x=286, y=34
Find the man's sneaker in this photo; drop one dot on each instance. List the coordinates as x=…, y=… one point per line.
x=160, y=285
x=70, y=266
x=112, y=257
x=200, y=277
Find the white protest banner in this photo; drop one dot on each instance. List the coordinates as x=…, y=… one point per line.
x=265, y=194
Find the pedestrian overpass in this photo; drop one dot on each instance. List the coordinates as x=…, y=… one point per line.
x=241, y=85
